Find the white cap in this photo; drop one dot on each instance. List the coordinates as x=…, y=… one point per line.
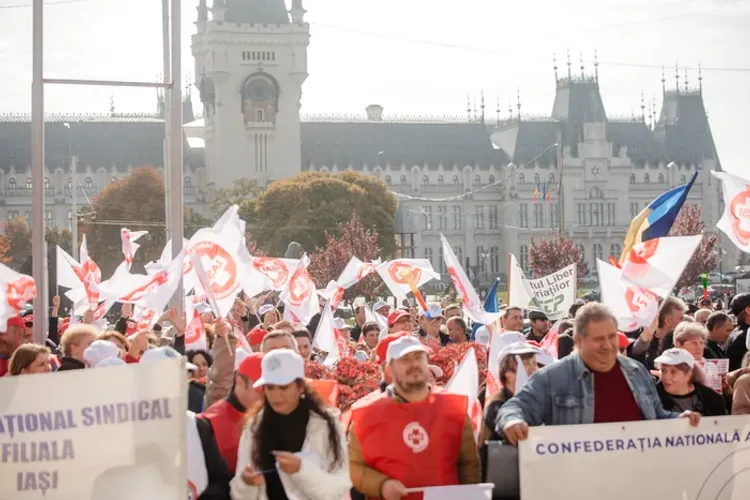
x=239, y=357
x=675, y=356
x=99, y=350
x=111, y=361
x=361, y=356
x=516, y=348
x=403, y=346
x=434, y=310
x=161, y=353
x=264, y=309
x=202, y=307
x=280, y=367
x=379, y=305
x=340, y=324
x=509, y=338
x=482, y=335
x=544, y=357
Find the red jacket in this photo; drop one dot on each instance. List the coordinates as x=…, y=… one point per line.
x=226, y=421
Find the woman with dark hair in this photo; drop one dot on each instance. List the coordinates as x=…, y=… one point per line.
x=292, y=446
x=201, y=361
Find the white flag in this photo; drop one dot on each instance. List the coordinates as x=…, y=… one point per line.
x=129, y=245
x=395, y=275
x=462, y=492
x=632, y=306
x=300, y=296
x=465, y=381
x=325, y=338
x=657, y=264
x=16, y=290
x=473, y=307
x=735, y=222
x=553, y=294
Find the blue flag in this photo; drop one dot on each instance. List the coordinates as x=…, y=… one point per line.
x=490, y=305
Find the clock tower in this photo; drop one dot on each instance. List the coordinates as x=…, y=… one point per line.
x=250, y=64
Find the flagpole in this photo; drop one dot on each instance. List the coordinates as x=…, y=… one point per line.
x=560, y=203
x=174, y=126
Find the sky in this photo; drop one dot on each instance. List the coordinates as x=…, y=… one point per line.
x=417, y=57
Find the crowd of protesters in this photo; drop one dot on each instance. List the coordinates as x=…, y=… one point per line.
x=269, y=431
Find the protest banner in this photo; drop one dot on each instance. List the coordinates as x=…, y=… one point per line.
x=114, y=433
x=553, y=294
x=590, y=462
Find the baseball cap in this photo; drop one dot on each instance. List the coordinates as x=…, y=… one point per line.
x=396, y=315
x=249, y=367
x=16, y=321
x=256, y=335
x=264, y=309
x=434, y=310
x=537, y=315
x=202, y=307
x=739, y=303
x=340, y=324
x=379, y=305
x=675, y=356
x=516, y=349
x=28, y=319
x=100, y=350
x=159, y=354
x=622, y=340
x=110, y=361
x=381, y=350
x=406, y=344
x=280, y=367
x=544, y=357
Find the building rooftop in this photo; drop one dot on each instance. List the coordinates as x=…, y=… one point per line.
x=256, y=12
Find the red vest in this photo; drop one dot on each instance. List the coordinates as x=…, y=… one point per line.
x=226, y=422
x=415, y=443
x=328, y=390
x=346, y=417
x=4, y=362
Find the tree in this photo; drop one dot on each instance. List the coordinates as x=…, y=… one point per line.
x=18, y=236
x=244, y=193
x=135, y=202
x=309, y=207
x=352, y=240
x=689, y=223
x=547, y=255
x=744, y=259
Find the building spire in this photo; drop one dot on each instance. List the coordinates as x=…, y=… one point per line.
x=596, y=67
x=468, y=106
x=653, y=107
x=700, y=78
x=481, y=106
x=687, y=89
x=510, y=108
x=650, y=114
x=570, y=76
x=677, y=77
x=497, y=109
x=474, y=99
x=297, y=12
x=554, y=66
x=518, y=102
x=583, y=71
x=663, y=83
x=643, y=108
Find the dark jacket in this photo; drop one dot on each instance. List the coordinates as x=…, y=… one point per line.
x=444, y=339
x=490, y=415
x=713, y=350
x=710, y=403
x=68, y=363
x=736, y=348
x=196, y=394
x=218, y=470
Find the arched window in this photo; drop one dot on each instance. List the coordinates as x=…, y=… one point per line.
x=482, y=259
x=581, y=251
x=646, y=179
x=632, y=178
x=598, y=253
x=459, y=254
x=425, y=180
x=12, y=183
x=521, y=179
x=28, y=182
x=615, y=250
x=683, y=179
x=443, y=270
x=388, y=179
x=661, y=178
x=88, y=183
x=70, y=183
x=536, y=179
x=477, y=180
x=403, y=180
x=491, y=179
x=441, y=181
x=551, y=179
x=258, y=115
x=46, y=183
x=455, y=180
x=524, y=258
x=596, y=193
x=428, y=254
x=494, y=260
x=188, y=182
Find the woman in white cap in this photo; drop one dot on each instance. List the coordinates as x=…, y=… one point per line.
x=293, y=446
x=681, y=385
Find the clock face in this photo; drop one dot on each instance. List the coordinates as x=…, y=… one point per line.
x=595, y=171
x=259, y=90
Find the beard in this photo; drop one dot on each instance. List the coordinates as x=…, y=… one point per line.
x=412, y=387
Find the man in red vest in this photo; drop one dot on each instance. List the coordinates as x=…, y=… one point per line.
x=411, y=436
x=226, y=417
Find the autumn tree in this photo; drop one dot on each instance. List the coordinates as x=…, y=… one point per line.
x=18, y=236
x=690, y=223
x=352, y=239
x=243, y=193
x=135, y=202
x=310, y=207
x=547, y=255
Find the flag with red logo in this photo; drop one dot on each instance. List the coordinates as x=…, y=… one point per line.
x=326, y=338
x=657, y=264
x=129, y=245
x=396, y=275
x=263, y=274
x=300, y=295
x=87, y=272
x=735, y=222
x=16, y=291
x=465, y=381
x=473, y=306
x=632, y=305
x=195, y=331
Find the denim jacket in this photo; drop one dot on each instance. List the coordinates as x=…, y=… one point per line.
x=563, y=394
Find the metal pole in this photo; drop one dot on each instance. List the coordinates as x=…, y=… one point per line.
x=560, y=202
x=175, y=142
x=167, y=106
x=74, y=204
x=37, y=171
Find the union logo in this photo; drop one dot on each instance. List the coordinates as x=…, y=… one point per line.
x=364, y=270
x=399, y=272
x=642, y=252
x=273, y=269
x=459, y=287
x=20, y=292
x=220, y=268
x=739, y=214
x=415, y=437
x=300, y=287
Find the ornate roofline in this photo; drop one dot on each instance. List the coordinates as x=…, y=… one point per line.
x=84, y=118
x=425, y=119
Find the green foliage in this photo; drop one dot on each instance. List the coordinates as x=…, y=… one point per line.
x=689, y=223
x=310, y=207
x=244, y=193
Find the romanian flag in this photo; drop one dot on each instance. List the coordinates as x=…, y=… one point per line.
x=547, y=194
x=490, y=305
x=536, y=193
x=655, y=221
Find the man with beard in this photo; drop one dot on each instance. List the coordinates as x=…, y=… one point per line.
x=428, y=442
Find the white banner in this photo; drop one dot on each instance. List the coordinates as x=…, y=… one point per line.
x=552, y=294
x=591, y=462
x=117, y=433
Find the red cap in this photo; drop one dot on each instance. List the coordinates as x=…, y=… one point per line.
x=382, y=348
x=16, y=321
x=29, y=318
x=256, y=335
x=64, y=324
x=250, y=366
x=622, y=340
x=396, y=315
